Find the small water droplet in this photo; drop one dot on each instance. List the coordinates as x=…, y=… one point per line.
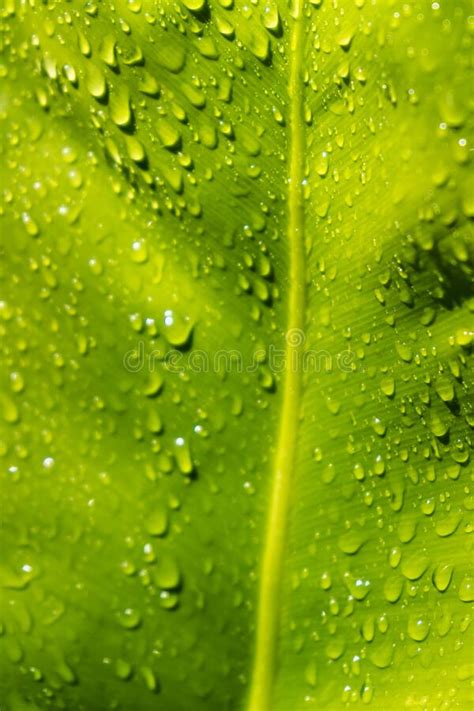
x=129, y=618
x=157, y=521
x=418, y=627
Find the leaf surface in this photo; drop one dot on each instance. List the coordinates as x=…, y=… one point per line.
x=236, y=311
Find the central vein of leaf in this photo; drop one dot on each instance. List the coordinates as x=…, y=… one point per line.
x=267, y=634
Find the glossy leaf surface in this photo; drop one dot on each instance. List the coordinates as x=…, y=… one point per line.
x=236, y=327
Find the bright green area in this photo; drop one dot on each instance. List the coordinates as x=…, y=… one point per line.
x=147, y=213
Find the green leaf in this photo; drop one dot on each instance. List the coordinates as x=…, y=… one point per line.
x=236, y=320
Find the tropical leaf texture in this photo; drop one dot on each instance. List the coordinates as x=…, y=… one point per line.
x=236, y=325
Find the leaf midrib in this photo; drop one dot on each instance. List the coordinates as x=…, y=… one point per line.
x=268, y=615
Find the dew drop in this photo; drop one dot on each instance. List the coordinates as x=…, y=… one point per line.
x=445, y=389
x=393, y=588
x=404, y=351
x=177, y=330
x=387, y=386
x=466, y=589
x=168, y=134
x=259, y=45
x=120, y=108
x=442, y=576
x=139, y=251
x=415, y=566
x=157, y=521
x=183, y=456
x=170, y=55
x=418, y=627
x=123, y=669
x=322, y=164
x=129, y=618
x=194, y=5
x=167, y=574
